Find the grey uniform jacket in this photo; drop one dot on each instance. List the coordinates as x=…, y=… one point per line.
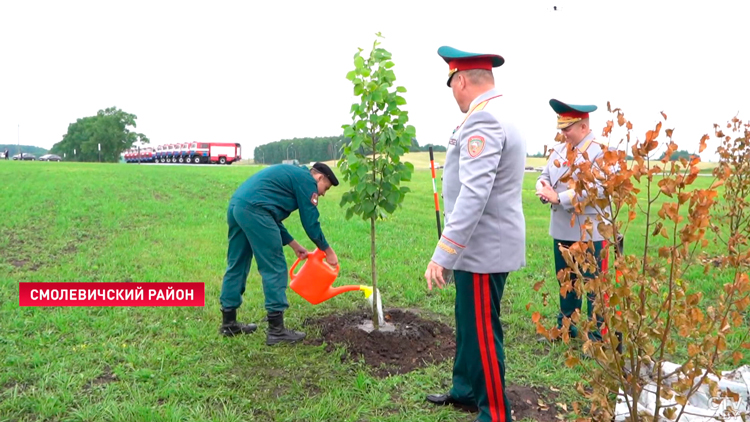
x=485, y=230
x=561, y=214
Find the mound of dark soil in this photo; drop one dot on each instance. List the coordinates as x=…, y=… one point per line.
x=410, y=343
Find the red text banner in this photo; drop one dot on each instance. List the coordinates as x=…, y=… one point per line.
x=111, y=294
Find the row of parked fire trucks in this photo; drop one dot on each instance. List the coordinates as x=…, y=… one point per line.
x=188, y=152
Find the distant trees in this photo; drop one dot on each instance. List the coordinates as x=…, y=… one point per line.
x=109, y=127
x=416, y=148
x=26, y=149
x=324, y=148
x=680, y=154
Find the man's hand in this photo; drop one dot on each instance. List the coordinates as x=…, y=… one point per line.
x=434, y=273
x=299, y=250
x=547, y=194
x=331, y=257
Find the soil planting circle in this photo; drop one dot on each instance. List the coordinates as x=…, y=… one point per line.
x=407, y=342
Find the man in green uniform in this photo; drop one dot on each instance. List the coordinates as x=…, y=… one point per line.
x=255, y=215
x=485, y=232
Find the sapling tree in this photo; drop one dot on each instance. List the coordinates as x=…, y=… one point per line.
x=662, y=343
x=731, y=222
x=377, y=138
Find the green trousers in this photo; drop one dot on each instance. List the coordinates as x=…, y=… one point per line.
x=254, y=233
x=571, y=301
x=479, y=366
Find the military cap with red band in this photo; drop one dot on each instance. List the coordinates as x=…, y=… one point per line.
x=462, y=60
x=568, y=114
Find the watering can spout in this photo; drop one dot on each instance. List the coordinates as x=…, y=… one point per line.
x=335, y=291
x=314, y=281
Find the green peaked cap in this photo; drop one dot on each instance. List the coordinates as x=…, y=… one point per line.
x=569, y=114
x=463, y=60
x=561, y=107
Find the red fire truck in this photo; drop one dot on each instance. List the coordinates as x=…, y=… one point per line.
x=194, y=152
x=214, y=152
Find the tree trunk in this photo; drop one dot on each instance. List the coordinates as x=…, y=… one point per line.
x=375, y=319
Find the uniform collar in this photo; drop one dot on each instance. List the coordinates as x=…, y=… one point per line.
x=585, y=142
x=492, y=93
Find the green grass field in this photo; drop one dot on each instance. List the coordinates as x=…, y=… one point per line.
x=112, y=223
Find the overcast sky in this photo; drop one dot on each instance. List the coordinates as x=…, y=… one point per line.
x=256, y=72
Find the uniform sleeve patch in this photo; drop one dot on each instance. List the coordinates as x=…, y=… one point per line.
x=314, y=199
x=446, y=248
x=475, y=145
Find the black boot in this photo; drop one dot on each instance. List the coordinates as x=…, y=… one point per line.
x=277, y=333
x=231, y=327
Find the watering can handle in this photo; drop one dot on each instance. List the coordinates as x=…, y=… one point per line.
x=315, y=252
x=291, y=270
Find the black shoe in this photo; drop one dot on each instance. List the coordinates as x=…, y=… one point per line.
x=231, y=327
x=446, y=399
x=277, y=333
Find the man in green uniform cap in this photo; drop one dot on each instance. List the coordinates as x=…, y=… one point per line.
x=255, y=215
x=573, y=122
x=485, y=232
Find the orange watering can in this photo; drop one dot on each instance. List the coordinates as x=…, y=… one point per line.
x=314, y=280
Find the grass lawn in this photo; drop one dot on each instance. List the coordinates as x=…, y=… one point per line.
x=113, y=223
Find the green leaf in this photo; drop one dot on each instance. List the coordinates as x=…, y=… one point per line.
x=400, y=100
x=351, y=75
x=368, y=207
x=362, y=172
x=365, y=72
x=400, y=89
x=349, y=213
x=359, y=62
x=358, y=89
x=389, y=64
x=371, y=189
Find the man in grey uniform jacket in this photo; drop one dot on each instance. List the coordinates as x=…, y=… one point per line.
x=573, y=121
x=485, y=235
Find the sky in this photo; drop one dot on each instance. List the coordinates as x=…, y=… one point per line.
x=257, y=72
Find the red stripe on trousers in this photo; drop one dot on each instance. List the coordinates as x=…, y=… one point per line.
x=499, y=402
x=483, y=352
